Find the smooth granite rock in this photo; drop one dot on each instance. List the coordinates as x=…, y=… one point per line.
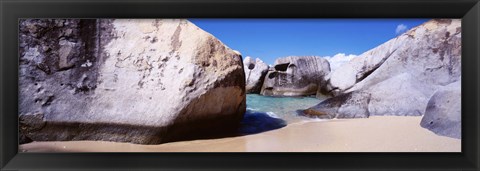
x=430, y=52
x=141, y=81
x=443, y=115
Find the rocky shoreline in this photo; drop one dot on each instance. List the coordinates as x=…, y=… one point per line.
x=158, y=81
x=415, y=66
x=400, y=77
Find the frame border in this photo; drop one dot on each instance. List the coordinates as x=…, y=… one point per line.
x=12, y=10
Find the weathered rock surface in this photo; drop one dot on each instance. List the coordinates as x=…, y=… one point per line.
x=139, y=81
x=296, y=76
x=255, y=71
x=380, y=99
x=399, y=76
x=430, y=52
x=443, y=113
x=349, y=105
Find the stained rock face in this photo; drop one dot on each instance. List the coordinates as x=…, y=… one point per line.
x=443, y=113
x=255, y=71
x=139, y=81
x=399, y=76
x=296, y=76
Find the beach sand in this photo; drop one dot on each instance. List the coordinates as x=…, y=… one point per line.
x=374, y=134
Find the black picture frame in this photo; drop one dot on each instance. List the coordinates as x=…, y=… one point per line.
x=12, y=10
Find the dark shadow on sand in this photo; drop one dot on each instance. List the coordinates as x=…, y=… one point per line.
x=254, y=122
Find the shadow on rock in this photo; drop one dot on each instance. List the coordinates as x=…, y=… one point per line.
x=256, y=122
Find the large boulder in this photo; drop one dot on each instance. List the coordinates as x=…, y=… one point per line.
x=430, y=52
x=401, y=75
x=443, y=113
x=139, y=81
x=296, y=76
x=255, y=71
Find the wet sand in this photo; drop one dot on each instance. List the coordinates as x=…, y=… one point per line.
x=374, y=134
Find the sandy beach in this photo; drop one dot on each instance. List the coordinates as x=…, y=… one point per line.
x=374, y=134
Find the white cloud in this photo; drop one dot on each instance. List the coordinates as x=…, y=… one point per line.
x=339, y=59
x=401, y=28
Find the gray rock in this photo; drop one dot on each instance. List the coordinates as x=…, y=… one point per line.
x=401, y=95
x=139, y=81
x=255, y=71
x=401, y=75
x=382, y=99
x=349, y=105
x=443, y=113
x=296, y=76
x=431, y=53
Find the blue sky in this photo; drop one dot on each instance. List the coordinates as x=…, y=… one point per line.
x=269, y=39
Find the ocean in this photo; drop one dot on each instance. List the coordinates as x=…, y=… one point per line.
x=266, y=113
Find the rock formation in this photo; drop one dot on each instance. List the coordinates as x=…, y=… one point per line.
x=397, y=77
x=349, y=105
x=296, y=76
x=139, y=81
x=443, y=113
x=255, y=72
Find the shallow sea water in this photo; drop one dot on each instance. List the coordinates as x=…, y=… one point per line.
x=281, y=107
x=265, y=113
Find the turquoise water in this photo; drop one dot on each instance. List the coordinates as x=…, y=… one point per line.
x=281, y=107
